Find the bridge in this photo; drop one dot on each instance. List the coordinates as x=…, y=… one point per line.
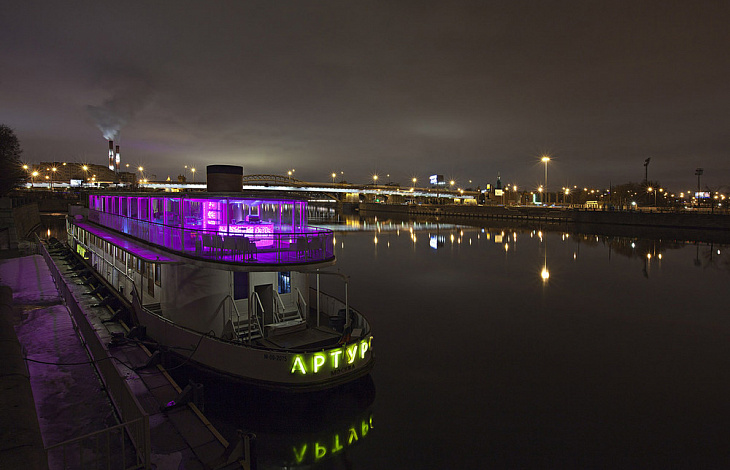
x=333, y=191
x=328, y=191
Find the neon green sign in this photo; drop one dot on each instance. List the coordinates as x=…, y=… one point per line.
x=333, y=360
x=308, y=452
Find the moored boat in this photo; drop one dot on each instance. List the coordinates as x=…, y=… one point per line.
x=229, y=281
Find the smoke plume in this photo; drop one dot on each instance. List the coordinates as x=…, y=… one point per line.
x=129, y=95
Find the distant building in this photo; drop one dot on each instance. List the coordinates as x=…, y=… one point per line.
x=66, y=172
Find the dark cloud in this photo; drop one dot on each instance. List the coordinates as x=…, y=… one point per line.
x=468, y=89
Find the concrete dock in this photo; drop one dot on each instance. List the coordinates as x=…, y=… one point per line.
x=70, y=399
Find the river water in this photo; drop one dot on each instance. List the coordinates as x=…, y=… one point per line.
x=504, y=347
x=514, y=347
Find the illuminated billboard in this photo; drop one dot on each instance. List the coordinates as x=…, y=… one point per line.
x=437, y=180
x=702, y=194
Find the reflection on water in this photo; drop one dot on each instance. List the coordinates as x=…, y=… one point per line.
x=441, y=236
x=515, y=346
x=311, y=430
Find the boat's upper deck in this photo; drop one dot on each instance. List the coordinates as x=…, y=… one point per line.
x=230, y=228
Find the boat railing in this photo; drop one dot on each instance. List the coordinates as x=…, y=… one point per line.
x=228, y=315
x=301, y=305
x=276, y=245
x=257, y=307
x=280, y=307
x=334, y=310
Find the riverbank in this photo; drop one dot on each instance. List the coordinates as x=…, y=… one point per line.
x=22, y=444
x=703, y=227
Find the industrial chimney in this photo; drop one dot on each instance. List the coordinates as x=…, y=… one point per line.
x=118, y=161
x=225, y=178
x=111, y=155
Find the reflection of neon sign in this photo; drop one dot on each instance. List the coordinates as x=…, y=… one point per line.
x=331, y=445
x=334, y=360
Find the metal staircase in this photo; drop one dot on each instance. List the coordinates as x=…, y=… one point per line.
x=240, y=325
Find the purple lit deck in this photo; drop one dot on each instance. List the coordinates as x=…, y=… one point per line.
x=242, y=230
x=126, y=244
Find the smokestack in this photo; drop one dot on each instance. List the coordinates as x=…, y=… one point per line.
x=111, y=154
x=225, y=178
x=119, y=161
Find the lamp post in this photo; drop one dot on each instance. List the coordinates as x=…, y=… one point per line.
x=545, y=159
x=334, y=175
x=699, y=172
x=193, y=171
x=375, y=179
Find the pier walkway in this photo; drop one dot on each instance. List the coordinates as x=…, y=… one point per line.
x=70, y=399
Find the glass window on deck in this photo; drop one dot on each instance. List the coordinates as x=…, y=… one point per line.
x=172, y=212
x=144, y=208
x=240, y=285
x=158, y=215
x=192, y=213
x=133, y=207
x=284, y=282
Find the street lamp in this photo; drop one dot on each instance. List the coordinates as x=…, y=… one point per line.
x=53, y=174
x=545, y=159
x=193, y=170
x=651, y=190
x=334, y=175
x=33, y=177
x=375, y=179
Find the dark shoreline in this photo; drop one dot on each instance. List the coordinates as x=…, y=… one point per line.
x=685, y=226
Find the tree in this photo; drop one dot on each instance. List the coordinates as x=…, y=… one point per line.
x=11, y=168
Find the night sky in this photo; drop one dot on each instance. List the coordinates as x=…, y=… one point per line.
x=406, y=88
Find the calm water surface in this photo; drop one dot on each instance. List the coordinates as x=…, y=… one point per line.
x=515, y=349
